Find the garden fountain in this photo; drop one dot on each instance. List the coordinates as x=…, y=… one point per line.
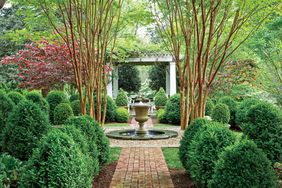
x=141, y=116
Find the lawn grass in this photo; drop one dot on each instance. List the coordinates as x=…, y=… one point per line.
x=172, y=158
x=109, y=125
x=161, y=125
x=114, y=154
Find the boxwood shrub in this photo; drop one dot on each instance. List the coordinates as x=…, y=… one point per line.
x=172, y=109
x=57, y=162
x=160, y=98
x=204, y=150
x=15, y=96
x=209, y=108
x=187, y=138
x=10, y=170
x=61, y=113
x=74, y=97
x=94, y=134
x=161, y=116
x=122, y=115
x=25, y=127
x=55, y=98
x=39, y=100
x=243, y=108
x=221, y=113
x=264, y=127
x=111, y=108
x=121, y=99
x=232, y=105
x=80, y=139
x=243, y=165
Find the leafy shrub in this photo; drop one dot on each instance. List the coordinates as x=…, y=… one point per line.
x=39, y=100
x=243, y=108
x=232, y=105
x=121, y=99
x=55, y=98
x=160, y=98
x=25, y=126
x=209, y=108
x=111, y=108
x=187, y=138
x=75, y=105
x=204, y=150
x=74, y=97
x=6, y=107
x=243, y=165
x=122, y=115
x=221, y=113
x=80, y=139
x=15, y=96
x=10, y=169
x=94, y=134
x=57, y=162
x=61, y=113
x=161, y=116
x=264, y=127
x=172, y=109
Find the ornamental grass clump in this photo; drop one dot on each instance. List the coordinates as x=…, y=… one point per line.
x=186, y=140
x=57, y=162
x=122, y=115
x=221, y=113
x=25, y=127
x=16, y=97
x=160, y=98
x=62, y=112
x=243, y=165
x=204, y=149
x=264, y=127
x=121, y=99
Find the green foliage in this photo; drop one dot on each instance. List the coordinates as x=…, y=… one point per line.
x=15, y=96
x=129, y=78
x=157, y=74
x=6, y=107
x=122, y=115
x=25, y=127
x=74, y=97
x=38, y=99
x=61, y=113
x=80, y=139
x=221, y=113
x=264, y=127
x=160, y=98
x=94, y=134
x=243, y=165
x=209, y=107
x=232, y=105
x=114, y=154
x=110, y=108
x=75, y=105
x=121, y=99
x=54, y=98
x=204, y=150
x=172, y=109
x=186, y=140
x=10, y=170
x=243, y=108
x=161, y=116
x=171, y=158
x=57, y=157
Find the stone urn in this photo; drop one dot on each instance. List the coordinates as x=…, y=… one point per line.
x=141, y=116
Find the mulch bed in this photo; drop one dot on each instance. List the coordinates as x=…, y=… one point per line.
x=181, y=179
x=103, y=180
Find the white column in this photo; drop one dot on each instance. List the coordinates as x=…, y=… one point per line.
x=110, y=85
x=115, y=81
x=172, y=78
x=167, y=80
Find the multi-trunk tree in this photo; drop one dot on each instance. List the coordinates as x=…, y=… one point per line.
x=202, y=35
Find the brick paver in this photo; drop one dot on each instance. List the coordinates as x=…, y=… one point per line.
x=141, y=168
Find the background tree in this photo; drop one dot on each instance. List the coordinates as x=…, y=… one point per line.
x=157, y=73
x=129, y=78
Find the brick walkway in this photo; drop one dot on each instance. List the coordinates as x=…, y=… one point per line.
x=141, y=167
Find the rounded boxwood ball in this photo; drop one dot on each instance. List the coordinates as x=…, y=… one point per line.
x=74, y=97
x=54, y=98
x=243, y=165
x=243, y=108
x=160, y=98
x=209, y=108
x=161, y=116
x=221, y=113
x=121, y=99
x=61, y=113
x=57, y=162
x=185, y=142
x=204, y=150
x=38, y=99
x=232, y=105
x=122, y=115
x=16, y=97
x=172, y=109
x=25, y=127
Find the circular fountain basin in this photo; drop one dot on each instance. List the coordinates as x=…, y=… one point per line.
x=130, y=134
